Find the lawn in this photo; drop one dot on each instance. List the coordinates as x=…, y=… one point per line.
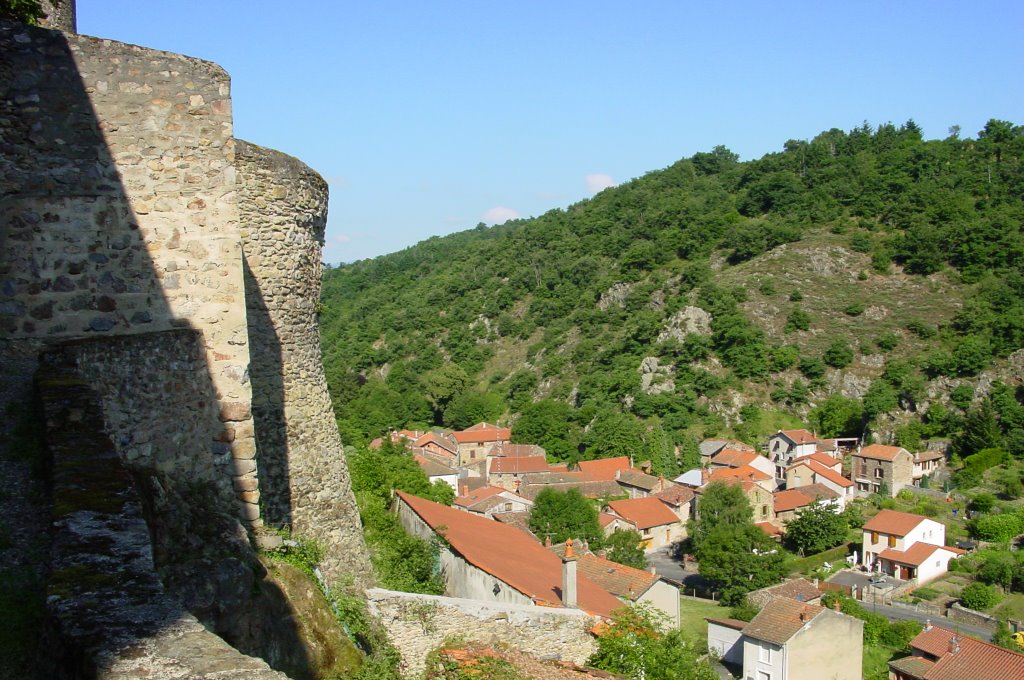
x=876, y=661
x=691, y=617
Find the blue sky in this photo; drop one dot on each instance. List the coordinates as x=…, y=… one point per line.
x=429, y=117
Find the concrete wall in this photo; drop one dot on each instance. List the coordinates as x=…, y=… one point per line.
x=830, y=647
x=303, y=476
x=417, y=624
x=665, y=598
x=725, y=642
x=761, y=656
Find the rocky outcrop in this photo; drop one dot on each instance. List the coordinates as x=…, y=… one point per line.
x=685, y=321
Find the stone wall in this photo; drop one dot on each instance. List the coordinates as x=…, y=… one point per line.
x=958, y=612
x=303, y=476
x=418, y=624
x=109, y=615
x=120, y=212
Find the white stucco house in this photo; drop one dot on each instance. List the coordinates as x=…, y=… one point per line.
x=906, y=546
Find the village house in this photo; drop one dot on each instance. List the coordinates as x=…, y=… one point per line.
x=791, y=640
x=611, y=523
x=679, y=500
x=790, y=502
x=637, y=484
x=438, y=443
x=437, y=472
x=474, y=442
x=509, y=450
x=732, y=458
x=709, y=448
x=785, y=445
x=941, y=654
x=761, y=500
x=879, y=465
x=926, y=464
x=745, y=473
x=632, y=586
x=799, y=589
x=535, y=482
x=509, y=473
x=819, y=468
x=906, y=546
x=657, y=524
x=493, y=562
x=491, y=500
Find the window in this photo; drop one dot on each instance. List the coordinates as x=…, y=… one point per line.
x=764, y=511
x=879, y=474
x=764, y=654
x=892, y=541
x=764, y=675
x=776, y=447
x=874, y=537
x=508, y=507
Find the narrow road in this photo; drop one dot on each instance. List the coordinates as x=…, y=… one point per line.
x=900, y=613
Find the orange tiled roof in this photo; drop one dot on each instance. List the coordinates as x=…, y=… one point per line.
x=509, y=555
x=603, y=470
x=519, y=465
x=893, y=522
x=973, y=659
x=914, y=556
x=745, y=472
x=928, y=455
x=769, y=528
x=830, y=474
x=482, y=432
x=791, y=499
x=437, y=438
x=818, y=457
x=733, y=458
x=475, y=497
x=881, y=452
x=675, y=494
x=780, y=620
x=799, y=589
x=644, y=512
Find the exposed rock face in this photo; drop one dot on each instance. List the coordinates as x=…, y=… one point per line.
x=616, y=295
x=688, y=320
x=655, y=378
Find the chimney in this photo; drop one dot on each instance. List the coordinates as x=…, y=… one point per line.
x=569, y=577
x=465, y=490
x=954, y=644
x=927, y=624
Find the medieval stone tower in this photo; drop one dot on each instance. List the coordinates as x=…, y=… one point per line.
x=176, y=270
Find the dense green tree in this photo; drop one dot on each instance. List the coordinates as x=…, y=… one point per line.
x=740, y=558
x=624, y=547
x=639, y=644
x=980, y=430
x=720, y=504
x=561, y=515
x=547, y=424
x=979, y=596
x=25, y=11
x=816, y=528
x=838, y=354
x=838, y=416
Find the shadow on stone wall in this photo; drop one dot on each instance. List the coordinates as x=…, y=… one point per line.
x=99, y=189
x=266, y=373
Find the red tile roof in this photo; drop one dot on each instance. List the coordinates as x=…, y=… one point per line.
x=675, y=495
x=830, y=474
x=893, y=522
x=618, y=579
x=519, y=465
x=733, y=458
x=914, y=556
x=928, y=455
x=821, y=458
x=769, y=528
x=780, y=620
x=475, y=497
x=791, y=499
x=972, y=660
x=881, y=452
x=644, y=512
x=746, y=473
x=441, y=440
x=603, y=470
x=482, y=432
x=509, y=555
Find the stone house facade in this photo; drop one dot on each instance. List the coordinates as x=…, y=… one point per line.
x=877, y=465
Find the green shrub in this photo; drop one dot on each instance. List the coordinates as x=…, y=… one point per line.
x=926, y=593
x=839, y=354
x=796, y=296
x=1000, y=528
x=979, y=596
x=855, y=309
x=798, y=320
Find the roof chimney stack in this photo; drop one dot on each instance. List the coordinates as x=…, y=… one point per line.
x=954, y=644
x=569, y=577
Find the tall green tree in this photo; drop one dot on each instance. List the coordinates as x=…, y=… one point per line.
x=816, y=528
x=624, y=547
x=721, y=505
x=563, y=515
x=740, y=558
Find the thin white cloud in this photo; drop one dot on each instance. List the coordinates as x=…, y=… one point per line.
x=598, y=182
x=499, y=215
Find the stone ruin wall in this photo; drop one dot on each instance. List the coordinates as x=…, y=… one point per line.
x=418, y=624
x=303, y=476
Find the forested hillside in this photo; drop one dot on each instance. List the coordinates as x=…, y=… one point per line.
x=857, y=282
